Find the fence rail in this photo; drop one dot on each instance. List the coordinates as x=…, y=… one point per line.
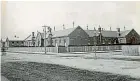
x=65, y=49
x=131, y=50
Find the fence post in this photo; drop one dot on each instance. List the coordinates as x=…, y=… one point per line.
x=67, y=48
x=57, y=49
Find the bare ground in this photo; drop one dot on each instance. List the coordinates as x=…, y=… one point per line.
x=32, y=71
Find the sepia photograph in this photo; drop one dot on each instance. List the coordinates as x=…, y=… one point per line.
x=67, y=40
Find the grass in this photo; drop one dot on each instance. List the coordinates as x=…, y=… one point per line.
x=32, y=71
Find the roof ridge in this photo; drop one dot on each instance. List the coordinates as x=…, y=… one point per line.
x=64, y=32
x=65, y=29
x=102, y=30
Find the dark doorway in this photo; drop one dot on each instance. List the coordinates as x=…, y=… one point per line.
x=132, y=40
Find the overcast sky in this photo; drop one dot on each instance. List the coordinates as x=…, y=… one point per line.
x=22, y=18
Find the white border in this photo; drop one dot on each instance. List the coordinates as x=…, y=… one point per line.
x=70, y=0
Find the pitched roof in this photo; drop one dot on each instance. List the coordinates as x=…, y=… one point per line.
x=28, y=38
x=124, y=33
x=91, y=33
x=60, y=33
x=109, y=33
x=105, y=33
x=3, y=40
x=15, y=39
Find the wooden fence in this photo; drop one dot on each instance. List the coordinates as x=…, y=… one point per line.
x=131, y=50
x=32, y=49
x=64, y=49
x=92, y=48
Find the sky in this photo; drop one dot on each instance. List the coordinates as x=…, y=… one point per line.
x=24, y=17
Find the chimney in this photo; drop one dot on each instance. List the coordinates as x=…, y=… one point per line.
x=54, y=28
x=73, y=24
x=118, y=30
x=110, y=28
x=94, y=28
x=33, y=39
x=99, y=29
x=87, y=26
x=33, y=34
x=63, y=26
x=124, y=28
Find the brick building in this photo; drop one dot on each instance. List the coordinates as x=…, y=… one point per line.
x=129, y=37
x=76, y=37
x=113, y=37
x=67, y=37
x=101, y=37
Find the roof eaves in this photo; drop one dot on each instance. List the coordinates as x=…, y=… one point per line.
x=27, y=37
x=16, y=40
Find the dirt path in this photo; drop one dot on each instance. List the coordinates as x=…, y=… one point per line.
x=32, y=71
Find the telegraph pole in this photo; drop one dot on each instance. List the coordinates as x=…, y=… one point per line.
x=45, y=37
x=95, y=42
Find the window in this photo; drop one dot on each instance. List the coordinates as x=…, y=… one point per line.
x=59, y=40
x=64, y=40
x=119, y=34
x=120, y=40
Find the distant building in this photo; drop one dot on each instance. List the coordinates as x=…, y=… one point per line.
x=67, y=37
x=129, y=37
x=102, y=37
x=2, y=43
x=76, y=37
x=113, y=37
x=14, y=42
x=30, y=40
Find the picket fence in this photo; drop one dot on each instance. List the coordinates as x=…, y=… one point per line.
x=131, y=50
x=64, y=49
x=92, y=48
